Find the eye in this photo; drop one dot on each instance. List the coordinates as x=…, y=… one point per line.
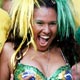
x=53, y=23
x=39, y=23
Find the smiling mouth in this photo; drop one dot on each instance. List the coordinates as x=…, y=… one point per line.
x=43, y=40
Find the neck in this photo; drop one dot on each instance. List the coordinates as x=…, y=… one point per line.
x=39, y=51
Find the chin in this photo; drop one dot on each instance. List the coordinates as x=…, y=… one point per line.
x=42, y=49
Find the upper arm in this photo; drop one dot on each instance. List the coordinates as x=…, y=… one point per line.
x=5, y=62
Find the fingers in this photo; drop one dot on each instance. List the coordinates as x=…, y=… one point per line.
x=76, y=72
x=11, y=77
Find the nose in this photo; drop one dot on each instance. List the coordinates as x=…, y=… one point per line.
x=46, y=29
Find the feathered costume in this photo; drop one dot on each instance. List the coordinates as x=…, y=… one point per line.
x=5, y=26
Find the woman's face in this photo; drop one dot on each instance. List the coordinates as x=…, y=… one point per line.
x=44, y=27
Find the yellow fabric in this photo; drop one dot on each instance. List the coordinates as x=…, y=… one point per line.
x=75, y=7
x=5, y=26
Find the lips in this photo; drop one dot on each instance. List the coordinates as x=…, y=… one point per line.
x=43, y=40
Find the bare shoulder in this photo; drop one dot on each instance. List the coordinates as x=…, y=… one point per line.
x=5, y=58
x=8, y=48
x=8, y=45
x=7, y=51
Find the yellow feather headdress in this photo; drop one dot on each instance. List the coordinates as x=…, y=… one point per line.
x=5, y=26
x=22, y=19
x=75, y=7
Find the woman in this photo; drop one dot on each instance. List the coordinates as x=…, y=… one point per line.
x=43, y=45
x=6, y=5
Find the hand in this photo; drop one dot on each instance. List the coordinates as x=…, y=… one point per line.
x=12, y=77
x=76, y=71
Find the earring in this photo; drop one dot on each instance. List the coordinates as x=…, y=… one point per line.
x=57, y=40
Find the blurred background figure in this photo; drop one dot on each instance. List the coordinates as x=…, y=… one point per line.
x=5, y=4
x=1, y=3
x=5, y=26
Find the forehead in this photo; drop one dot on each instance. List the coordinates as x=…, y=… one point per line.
x=45, y=13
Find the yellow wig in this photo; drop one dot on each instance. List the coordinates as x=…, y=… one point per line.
x=5, y=26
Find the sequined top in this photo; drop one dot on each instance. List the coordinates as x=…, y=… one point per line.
x=22, y=71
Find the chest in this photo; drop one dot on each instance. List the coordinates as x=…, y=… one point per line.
x=46, y=64
x=43, y=67
x=63, y=73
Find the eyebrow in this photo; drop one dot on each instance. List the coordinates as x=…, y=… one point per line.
x=53, y=22
x=43, y=21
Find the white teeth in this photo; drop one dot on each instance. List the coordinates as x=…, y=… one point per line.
x=45, y=37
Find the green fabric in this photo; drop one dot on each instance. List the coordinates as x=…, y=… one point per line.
x=58, y=75
x=77, y=35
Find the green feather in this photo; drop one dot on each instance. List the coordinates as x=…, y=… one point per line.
x=77, y=35
x=65, y=20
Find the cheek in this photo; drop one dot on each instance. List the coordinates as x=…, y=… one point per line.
x=54, y=30
x=35, y=30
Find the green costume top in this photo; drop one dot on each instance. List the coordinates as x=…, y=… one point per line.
x=63, y=73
